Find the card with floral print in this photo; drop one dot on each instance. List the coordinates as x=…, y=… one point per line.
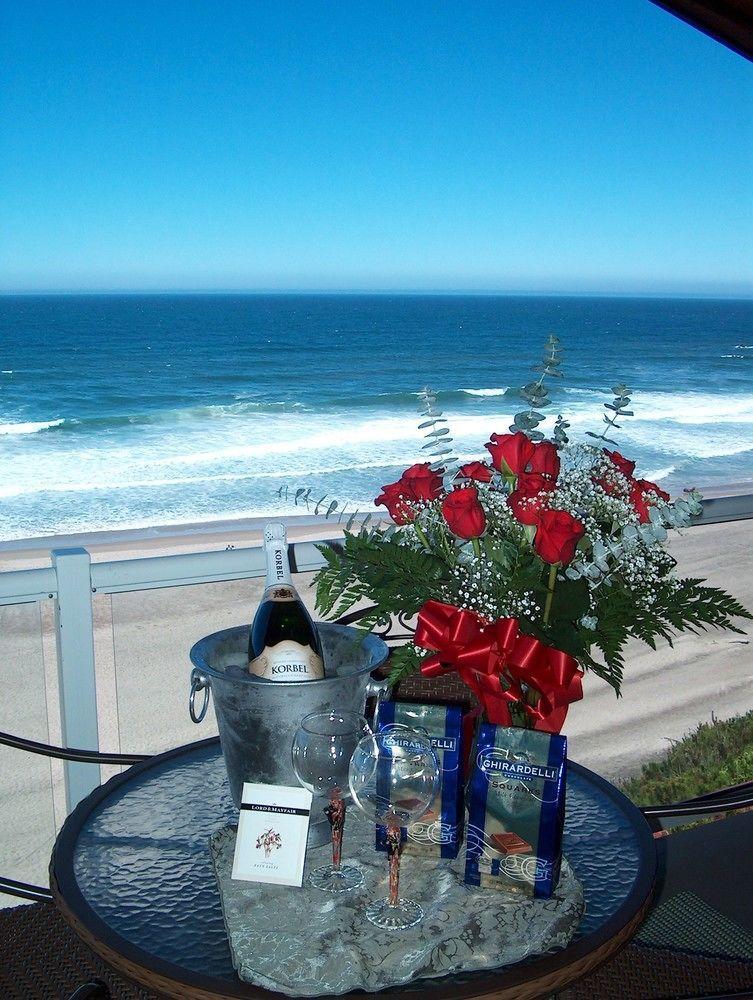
x=272, y=831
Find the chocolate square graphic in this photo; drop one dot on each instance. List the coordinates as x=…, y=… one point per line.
x=510, y=843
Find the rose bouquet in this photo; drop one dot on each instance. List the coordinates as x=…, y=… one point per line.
x=525, y=569
x=269, y=841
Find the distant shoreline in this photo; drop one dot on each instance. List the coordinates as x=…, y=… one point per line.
x=214, y=533
x=132, y=543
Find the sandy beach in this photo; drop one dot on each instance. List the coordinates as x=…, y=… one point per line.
x=142, y=642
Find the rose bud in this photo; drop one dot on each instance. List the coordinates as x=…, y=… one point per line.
x=546, y=460
x=393, y=499
x=475, y=470
x=557, y=535
x=626, y=467
x=463, y=513
x=511, y=453
x=419, y=482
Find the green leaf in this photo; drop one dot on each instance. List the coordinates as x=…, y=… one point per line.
x=404, y=661
x=502, y=553
x=571, y=600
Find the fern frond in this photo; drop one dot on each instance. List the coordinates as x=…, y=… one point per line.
x=404, y=661
x=375, y=566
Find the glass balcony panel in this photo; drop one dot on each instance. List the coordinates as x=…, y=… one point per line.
x=153, y=632
x=27, y=803
x=107, y=694
x=668, y=692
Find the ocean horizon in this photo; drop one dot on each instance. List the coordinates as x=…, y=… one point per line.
x=134, y=410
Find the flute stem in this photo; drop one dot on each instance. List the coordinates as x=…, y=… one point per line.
x=393, y=849
x=335, y=812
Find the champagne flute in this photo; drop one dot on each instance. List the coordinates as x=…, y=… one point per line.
x=394, y=777
x=322, y=748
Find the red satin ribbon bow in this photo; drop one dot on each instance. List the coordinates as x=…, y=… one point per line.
x=495, y=660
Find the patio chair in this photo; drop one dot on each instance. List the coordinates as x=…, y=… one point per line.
x=40, y=956
x=697, y=941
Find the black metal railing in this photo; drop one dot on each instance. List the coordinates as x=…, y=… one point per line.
x=27, y=890
x=70, y=753
x=722, y=800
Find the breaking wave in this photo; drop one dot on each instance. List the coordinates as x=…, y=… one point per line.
x=30, y=427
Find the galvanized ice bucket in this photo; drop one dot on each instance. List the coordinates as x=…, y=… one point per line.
x=258, y=718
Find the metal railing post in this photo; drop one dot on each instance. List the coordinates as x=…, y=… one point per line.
x=74, y=627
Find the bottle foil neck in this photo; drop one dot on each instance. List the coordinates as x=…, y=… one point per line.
x=278, y=566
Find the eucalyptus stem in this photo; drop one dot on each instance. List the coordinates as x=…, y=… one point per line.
x=551, y=583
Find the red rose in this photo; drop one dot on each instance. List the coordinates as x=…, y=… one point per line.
x=527, y=509
x=531, y=483
x=475, y=470
x=530, y=497
x=546, y=460
x=393, y=499
x=626, y=467
x=648, y=487
x=419, y=482
x=416, y=483
x=640, y=490
x=511, y=453
x=463, y=513
x=557, y=535
x=609, y=488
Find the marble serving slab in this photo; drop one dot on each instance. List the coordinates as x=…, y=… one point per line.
x=305, y=942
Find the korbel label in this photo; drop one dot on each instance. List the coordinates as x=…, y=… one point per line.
x=287, y=661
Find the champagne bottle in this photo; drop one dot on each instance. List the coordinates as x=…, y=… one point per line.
x=284, y=644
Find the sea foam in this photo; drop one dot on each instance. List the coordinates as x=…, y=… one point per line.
x=30, y=427
x=486, y=392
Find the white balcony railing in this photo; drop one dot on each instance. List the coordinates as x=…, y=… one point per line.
x=72, y=581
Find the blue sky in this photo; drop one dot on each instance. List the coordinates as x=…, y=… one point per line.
x=589, y=146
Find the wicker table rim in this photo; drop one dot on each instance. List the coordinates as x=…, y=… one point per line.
x=531, y=979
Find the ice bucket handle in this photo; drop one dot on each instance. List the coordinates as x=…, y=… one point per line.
x=199, y=682
x=377, y=689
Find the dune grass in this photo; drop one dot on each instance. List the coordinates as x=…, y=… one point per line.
x=714, y=755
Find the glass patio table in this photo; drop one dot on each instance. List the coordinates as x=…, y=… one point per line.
x=131, y=873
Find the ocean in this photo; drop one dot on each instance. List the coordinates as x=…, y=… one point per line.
x=128, y=411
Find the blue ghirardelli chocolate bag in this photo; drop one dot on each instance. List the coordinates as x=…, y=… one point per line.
x=438, y=832
x=516, y=810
